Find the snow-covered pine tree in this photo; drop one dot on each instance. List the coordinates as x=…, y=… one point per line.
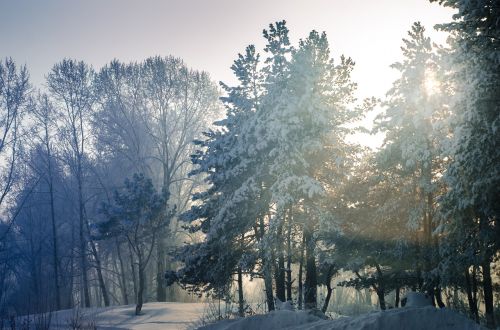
x=235, y=211
x=260, y=142
x=472, y=203
x=284, y=132
x=277, y=72
x=224, y=213
x=306, y=127
x=411, y=157
x=137, y=214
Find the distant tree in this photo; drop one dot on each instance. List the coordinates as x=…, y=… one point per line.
x=70, y=85
x=9, y=259
x=178, y=103
x=120, y=131
x=33, y=241
x=43, y=114
x=14, y=91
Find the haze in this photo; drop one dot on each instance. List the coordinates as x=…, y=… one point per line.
x=209, y=34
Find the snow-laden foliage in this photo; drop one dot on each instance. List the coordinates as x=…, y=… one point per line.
x=471, y=205
x=286, y=121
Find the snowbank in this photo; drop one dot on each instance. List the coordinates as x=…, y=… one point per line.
x=166, y=316
x=283, y=319
x=408, y=318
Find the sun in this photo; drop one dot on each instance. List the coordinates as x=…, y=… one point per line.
x=431, y=84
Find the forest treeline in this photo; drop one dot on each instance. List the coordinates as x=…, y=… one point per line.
x=118, y=183
x=67, y=152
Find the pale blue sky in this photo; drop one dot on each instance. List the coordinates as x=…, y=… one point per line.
x=208, y=34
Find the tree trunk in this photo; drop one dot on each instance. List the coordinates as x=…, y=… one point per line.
x=146, y=283
x=310, y=294
x=381, y=298
x=327, y=299
x=472, y=302
x=439, y=298
x=102, y=284
x=83, y=243
x=329, y=272
x=418, y=271
x=140, y=292
x=97, y=260
x=98, y=267
x=380, y=289
x=474, y=284
x=54, y=244
x=71, y=302
x=268, y=284
x=161, y=290
x=301, y=266
x=241, y=301
x=289, y=259
x=427, y=242
x=53, y=220
x=35, y=275
x=267, y=270
x=134, y=277
x=280, y=267
x=488, y=295
x=396, y=302
x=122, y=275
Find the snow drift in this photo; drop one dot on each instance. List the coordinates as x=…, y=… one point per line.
x=416, y=315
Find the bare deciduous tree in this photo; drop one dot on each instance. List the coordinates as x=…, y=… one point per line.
x=14, y=89
x=70, y=82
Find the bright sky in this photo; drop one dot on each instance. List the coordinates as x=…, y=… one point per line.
x=208, y=34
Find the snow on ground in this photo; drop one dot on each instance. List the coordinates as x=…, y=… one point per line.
x=408, y=318
x=165, y=316
x=417, y=315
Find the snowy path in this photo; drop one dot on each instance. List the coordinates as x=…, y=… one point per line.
x=165, y=316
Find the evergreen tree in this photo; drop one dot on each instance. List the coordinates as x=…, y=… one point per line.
x=284, y=126
x=472, y=204
x=411, y=157
x=137, y=214
x=219, y=158
x=307, y=130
